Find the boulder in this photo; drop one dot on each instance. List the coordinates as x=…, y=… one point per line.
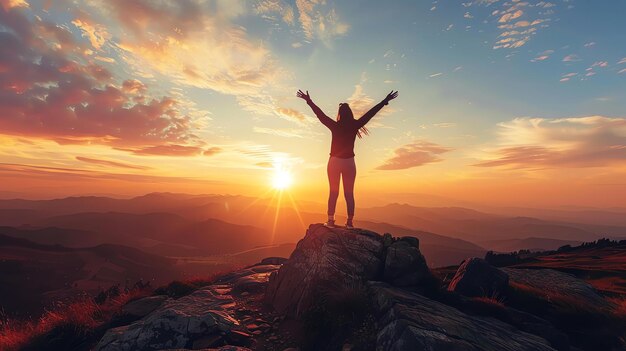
x=222, y=348
x=251, y=283
x=323, y=259
x=476, y=277
x=273, y=260
x=404, y=263
x=142, y=307
x=410, y=321
x=175, y=324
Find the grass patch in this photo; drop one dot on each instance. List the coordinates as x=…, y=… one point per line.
x=589, y=326
x=75, y=325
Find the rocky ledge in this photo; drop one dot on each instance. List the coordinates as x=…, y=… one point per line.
x=257, y=308
x=215, y=316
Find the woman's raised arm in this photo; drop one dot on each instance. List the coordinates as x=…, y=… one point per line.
x=374, y=110
x=327, y=121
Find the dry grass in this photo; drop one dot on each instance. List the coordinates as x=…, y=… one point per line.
x=82, y=316
x=494, y=301
x=589, y=326
x=620, y=306
x=562, y=303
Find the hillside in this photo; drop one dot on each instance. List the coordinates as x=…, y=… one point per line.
x=35, y=275
x=603, y=266
x=478, y=227
x=380, y=296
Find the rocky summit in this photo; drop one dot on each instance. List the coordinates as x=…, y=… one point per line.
x=327, y=258
x=279, y=304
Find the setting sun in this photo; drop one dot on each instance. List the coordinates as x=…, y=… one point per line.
x=282, y=179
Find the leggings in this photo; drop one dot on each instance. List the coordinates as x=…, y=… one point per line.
x=346, y=169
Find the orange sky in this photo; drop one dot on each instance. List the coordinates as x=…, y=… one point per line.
x=199, y=97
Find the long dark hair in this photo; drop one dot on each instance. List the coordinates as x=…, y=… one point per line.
x=345, y=115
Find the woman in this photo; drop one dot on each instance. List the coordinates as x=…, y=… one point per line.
x=341, y=162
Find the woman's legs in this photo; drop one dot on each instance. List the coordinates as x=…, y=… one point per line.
x=334, y=173
x=348, y=174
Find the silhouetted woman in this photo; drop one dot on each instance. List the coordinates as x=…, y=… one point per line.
x=341, y=162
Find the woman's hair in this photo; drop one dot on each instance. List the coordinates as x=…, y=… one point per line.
x=345, y=115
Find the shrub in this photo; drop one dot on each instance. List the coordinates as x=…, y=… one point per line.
x=71, y=326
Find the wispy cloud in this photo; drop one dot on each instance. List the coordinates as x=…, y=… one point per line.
x=593, y=141
x=571, y=58
x=109, y=163
x=318, y=20
x=517, y=20
x=415, y=154
x=173, y=150
x=542, y=56
x=286, y=132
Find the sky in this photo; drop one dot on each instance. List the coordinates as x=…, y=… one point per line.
x=517, y=103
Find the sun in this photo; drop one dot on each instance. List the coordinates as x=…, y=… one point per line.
x=282, y=179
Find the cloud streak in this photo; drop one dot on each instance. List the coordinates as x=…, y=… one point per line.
x=594, y=141
x=414, y=154
x=109, y=163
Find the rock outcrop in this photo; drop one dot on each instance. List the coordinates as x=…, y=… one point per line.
x=476, y=277
x=330, y=257
x=205, y=318
x=404, y=263
x=176, y=324
x=410, y=321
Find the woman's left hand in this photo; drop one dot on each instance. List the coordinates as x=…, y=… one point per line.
x=391, y=96
x=306, y=97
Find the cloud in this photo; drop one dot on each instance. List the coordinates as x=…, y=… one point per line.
x=174, y=150
x=292, y=114
x=594, y=141
x=444, y=125
x=50, y=89
x=518, y=20
x=571, y=58
x=195, y=44
x=318, y=20
x=360, y=103
x=97, y=34
x=9, y=4
x=109, y=163
x=212, y=151
x=323, y=24
x=286, y=133
x=434, y=75
x=622, y=61
x=60, y=174
x=542, y=56
x=507, y=17
x=415, y=154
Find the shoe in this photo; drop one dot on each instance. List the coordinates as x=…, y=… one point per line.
x=349, y=225
x=330, y=223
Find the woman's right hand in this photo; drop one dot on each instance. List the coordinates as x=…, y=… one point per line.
x=390, y=96
x=306, y=97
